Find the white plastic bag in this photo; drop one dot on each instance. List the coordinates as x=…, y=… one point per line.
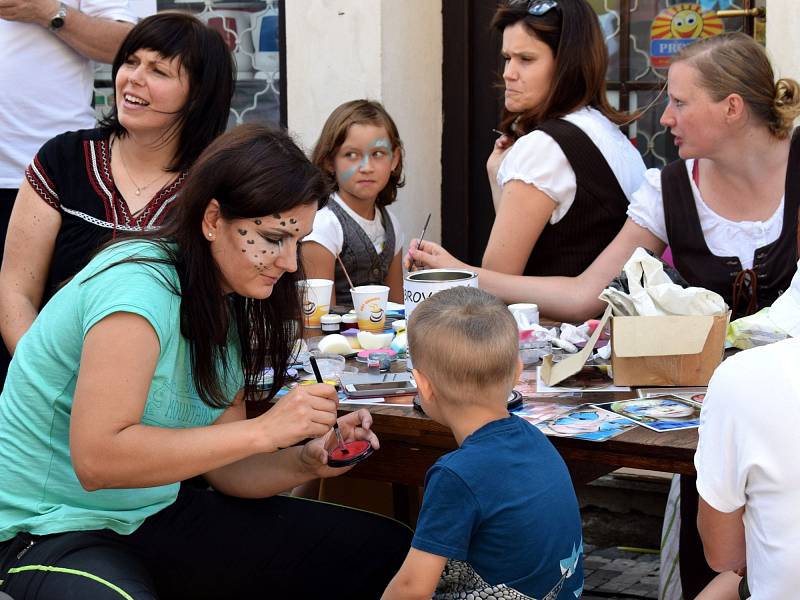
x=652, y=292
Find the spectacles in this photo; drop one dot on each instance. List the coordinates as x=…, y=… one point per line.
x=537, y=8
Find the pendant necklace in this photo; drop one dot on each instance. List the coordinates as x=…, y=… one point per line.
x=139, y=188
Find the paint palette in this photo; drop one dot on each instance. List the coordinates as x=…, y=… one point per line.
x=363, y=354
x=352, y=453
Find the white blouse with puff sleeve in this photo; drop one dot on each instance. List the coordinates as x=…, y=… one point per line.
x=537, y=159
x=723, y=236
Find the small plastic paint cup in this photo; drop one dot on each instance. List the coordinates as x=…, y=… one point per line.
x=352, y=453
x=525, y=314
x=370, y=304
x=349, y=321
x=316, y=300
x=330, y=323
x=379, y=361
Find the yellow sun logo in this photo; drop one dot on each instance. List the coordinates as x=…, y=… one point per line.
x=686, y=21
x=677, y=26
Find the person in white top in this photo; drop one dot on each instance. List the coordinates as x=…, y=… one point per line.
x=46, y=74
x=355, y=237
x=747, y=472
x=732, y=123
x=555, y=99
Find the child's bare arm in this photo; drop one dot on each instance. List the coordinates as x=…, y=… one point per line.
x=394, y=278
x=319, y=263
x=417, y=578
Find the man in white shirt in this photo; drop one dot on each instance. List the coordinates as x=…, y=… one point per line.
x=748, y=475
x=46, y=79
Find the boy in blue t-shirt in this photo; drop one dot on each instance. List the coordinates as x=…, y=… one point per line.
x=499, y=518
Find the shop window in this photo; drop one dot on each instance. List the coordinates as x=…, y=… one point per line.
x=252, y=30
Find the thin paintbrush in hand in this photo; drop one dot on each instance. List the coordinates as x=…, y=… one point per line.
x=419, y=241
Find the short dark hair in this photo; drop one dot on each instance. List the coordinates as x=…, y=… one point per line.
x=334, y=133
x=466, y=342
x=209, y=64
x=252, y=171
x=572, y=32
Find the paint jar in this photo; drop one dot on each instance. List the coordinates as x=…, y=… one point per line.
x=378, y=361
x=420, y=285
x=525, y=314
x=349, y=321
x=330, y=323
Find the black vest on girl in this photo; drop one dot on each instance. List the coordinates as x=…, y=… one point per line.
x=595, y=217
x=364, y=265
x=745, y=290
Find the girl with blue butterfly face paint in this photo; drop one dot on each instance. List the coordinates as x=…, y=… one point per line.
x=360, y=150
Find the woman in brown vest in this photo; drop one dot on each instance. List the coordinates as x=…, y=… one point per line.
x=728, y=208
x=562, y=168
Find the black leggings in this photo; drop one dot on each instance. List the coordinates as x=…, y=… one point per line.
x=208, y=545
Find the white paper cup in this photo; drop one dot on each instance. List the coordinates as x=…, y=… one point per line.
x=316, y=299
x=370, y=304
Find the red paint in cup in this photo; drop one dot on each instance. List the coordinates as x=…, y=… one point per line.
x=352, y=453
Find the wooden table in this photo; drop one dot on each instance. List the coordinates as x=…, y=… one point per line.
x=411, y=442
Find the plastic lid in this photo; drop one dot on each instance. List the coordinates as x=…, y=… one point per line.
x=349, y=318
x=330, y=319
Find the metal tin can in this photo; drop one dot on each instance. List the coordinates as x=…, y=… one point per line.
x=420, y=285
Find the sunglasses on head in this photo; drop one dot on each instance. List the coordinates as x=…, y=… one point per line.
x=537, y=8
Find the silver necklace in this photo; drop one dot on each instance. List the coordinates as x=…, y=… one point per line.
x=139, y=188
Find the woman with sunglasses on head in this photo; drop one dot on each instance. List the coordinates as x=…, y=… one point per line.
x=562, y=171
x=173, y=83
x=134, y=378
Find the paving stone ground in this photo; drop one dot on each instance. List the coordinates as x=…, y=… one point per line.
x=620, y=574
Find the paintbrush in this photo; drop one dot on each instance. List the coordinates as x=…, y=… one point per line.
x=339, y=440
x=350, y=281
x=419, y=241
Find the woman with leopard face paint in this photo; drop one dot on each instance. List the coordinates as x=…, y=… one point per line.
x=134, y=379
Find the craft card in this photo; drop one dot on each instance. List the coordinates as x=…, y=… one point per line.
x=407, y=400
x=527, y=386
x=586, y=423
x=588, y=379
x=695, y=394
x=536, y=411
x=659, y=413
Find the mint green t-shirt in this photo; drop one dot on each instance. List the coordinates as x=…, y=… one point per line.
x=39, y=491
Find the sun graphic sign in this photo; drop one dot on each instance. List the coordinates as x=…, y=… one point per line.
x=679, y=26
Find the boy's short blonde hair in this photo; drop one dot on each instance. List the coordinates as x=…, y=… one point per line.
x=466, y=342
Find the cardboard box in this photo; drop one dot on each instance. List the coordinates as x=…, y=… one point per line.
x=653, y=351
x=667, y=350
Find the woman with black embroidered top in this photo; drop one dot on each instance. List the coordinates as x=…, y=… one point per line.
x=361, y=151
x=134, y=378
x=173, y=82
x=562, y=174
x=728, y=208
